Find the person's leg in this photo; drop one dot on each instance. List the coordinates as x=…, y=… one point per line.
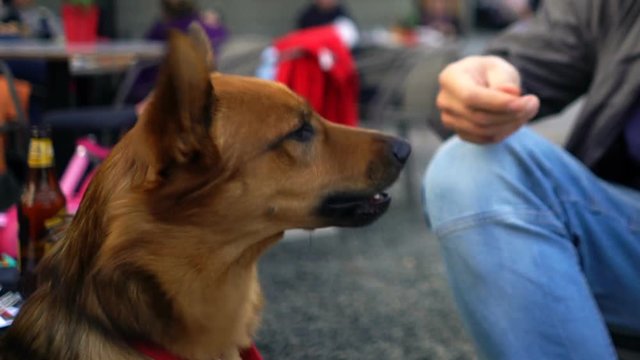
x=540, y=253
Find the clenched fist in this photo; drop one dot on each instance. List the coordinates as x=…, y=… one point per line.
x=480, y=99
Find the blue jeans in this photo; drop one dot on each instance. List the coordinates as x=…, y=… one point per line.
x=541, y=254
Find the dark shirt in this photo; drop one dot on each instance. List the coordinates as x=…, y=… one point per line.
x=314, y=16
x=160, y=32
x=567, y=50
x=632, y=136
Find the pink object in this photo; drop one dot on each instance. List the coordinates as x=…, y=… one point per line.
x=9, y=232
x=73, y=175
x=76, y=169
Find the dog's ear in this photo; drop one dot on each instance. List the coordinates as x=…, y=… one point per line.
x=178, y=118
x=203, y=44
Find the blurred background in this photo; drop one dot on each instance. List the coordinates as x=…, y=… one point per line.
x=83, y=68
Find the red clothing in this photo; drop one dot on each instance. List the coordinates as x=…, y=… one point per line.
x=157, y=353
x=333, y=93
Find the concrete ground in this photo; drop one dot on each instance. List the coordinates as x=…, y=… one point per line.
x=373, y=293
x=378, y=292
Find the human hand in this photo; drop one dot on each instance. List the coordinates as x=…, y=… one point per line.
x=480, y=99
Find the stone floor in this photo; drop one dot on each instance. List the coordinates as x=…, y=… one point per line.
x=373, y=293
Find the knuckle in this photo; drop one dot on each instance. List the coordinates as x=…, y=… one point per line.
x=446, y=119
x=441, y=101
x=466, y=96
x=443, y=77
x=481, y=119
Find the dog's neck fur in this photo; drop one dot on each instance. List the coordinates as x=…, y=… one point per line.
x=92, y=282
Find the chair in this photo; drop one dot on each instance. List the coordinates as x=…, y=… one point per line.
x=118, y=116
x=407, y=94
x=107, y=122
x=241, y=54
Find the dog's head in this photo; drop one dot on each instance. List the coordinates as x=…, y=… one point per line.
x=229, y=151
x=165, y=242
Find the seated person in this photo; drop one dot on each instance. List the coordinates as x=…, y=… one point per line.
x=178, y=14
x=438, y=15
x=31, y=20
x=25, y=19
x=322, y=12
x=542, y=245
x=498, y=14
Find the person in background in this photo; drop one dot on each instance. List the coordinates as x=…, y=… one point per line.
x=498, y=14
x=32, y=20
x=322, y=12
x=438, y=15
x=178, y=14
x=541, y=244
x=26, y=19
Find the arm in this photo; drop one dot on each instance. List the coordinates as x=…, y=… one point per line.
x=484, y=99
x=555, y=53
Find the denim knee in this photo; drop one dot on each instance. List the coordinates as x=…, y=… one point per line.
x=465, y=179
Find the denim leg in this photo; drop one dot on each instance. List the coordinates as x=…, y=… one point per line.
x=541, y=255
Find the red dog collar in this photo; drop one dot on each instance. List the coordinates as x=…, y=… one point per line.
x=157, y=353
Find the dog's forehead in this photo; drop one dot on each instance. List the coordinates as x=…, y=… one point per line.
x=256, y=109
x=255, y=93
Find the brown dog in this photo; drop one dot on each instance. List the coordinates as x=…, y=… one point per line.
x=164, y=247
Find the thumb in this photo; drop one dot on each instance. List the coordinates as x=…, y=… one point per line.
x=510, y=89
x=503, y=76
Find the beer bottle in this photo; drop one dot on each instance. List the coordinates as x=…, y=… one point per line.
x=42, y=206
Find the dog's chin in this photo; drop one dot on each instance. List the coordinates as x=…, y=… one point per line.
x=353, y=209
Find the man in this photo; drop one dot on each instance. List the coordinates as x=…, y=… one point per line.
x=34, y=21
x=322, y=12
x=542, y=248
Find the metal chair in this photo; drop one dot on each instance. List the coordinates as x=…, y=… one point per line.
x=240, y=55
x=407, y=94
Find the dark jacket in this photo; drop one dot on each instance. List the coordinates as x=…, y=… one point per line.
x=584, y=47
x=314, y=16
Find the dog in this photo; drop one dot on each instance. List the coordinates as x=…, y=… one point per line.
x=164, y=247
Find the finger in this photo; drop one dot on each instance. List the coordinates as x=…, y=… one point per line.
x=447, y=103
x=500, y=74
x=510, y=89
x=486, y=134
x=451, y=122
x=482, y=98
x=508, y=131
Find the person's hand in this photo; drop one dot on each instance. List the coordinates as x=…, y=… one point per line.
x=480, y=99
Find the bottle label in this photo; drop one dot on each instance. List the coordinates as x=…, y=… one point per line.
x=40, y=153
x=54, y=229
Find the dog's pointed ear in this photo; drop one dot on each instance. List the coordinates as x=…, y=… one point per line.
x=178, y=117
x=203, y=44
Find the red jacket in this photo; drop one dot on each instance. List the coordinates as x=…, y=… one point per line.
x=333, y=93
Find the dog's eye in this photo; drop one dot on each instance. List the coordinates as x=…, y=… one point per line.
x=302, y=134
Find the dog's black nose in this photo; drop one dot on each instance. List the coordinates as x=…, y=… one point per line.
x=401, y=150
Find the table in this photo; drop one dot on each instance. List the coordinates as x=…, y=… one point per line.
x=65, y=61
x=85, y=58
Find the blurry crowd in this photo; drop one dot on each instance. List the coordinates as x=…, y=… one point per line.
x=27, y=19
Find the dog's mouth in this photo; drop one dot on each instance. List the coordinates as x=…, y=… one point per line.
x=350, y=209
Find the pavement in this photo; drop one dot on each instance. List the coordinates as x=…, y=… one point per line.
x=378, y=292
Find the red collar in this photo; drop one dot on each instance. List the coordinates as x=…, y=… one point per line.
x=157, y=353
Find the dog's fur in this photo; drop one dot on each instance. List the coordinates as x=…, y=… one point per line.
x=164, y=247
